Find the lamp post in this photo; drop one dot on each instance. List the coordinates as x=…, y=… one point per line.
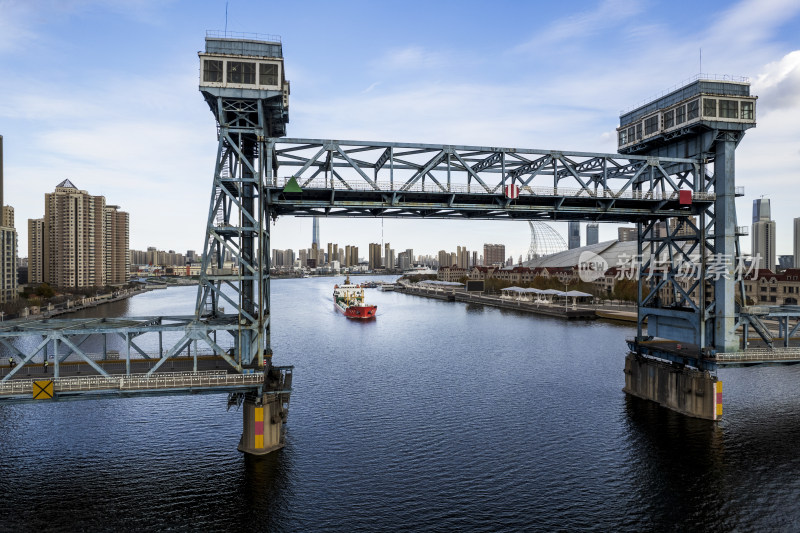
x=566, y=298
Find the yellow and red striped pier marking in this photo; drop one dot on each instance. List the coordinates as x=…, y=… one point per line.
x=258, y=430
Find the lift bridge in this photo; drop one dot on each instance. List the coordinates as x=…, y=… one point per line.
x=675, y=163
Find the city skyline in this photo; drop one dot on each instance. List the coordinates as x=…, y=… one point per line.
x=126, y=120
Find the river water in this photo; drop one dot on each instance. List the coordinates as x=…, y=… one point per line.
x=436, y=416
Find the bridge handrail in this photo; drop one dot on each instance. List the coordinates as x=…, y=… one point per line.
x=431, y=187
x=760, y=354
x=158, y=380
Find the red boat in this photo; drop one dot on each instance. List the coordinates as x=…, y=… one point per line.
x=349, y=299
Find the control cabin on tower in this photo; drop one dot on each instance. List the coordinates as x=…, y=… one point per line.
x=246, y=69
x=668, y=125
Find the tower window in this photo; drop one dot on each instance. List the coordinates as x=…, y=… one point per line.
x=651, y=125
x=693, y=109
x=680, y=114
x=747, y=110
x=669, y=118
x=241, y=72
x=728, y=109
x=709, y=107
x=212, y=71
x=267, y=74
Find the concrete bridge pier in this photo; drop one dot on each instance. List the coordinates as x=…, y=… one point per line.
x=262, y=426
x=686, y=390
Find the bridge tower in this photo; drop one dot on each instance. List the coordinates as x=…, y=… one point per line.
x=243, y=81
x=704, y=120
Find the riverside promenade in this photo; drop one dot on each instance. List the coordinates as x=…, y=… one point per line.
x=623, y=313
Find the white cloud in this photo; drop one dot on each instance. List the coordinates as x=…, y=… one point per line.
x=751, y=22
x=778, y=86
x=410, y=58
x=580, y=26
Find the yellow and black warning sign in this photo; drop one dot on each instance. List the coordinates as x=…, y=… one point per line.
x=43, y=390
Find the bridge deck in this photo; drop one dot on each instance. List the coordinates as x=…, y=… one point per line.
x=78, y=380
x=84, y=387
x=690, y=354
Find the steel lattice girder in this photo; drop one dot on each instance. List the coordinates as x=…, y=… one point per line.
x=371, y=179
x=71, y=334
x=237, y=226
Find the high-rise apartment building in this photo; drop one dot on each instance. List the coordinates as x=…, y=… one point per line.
x=574, y=235
x=592, y=233
x=35, y=250
x=74, y=224
x=763, y=234
x=494, y=254
x=444, y=259
x=8, y=245
x=374, y=255
x=8, y=256
x=462, y=257
x=116, y=245
x=625, y=234
x=85, y=243
x=404, y=261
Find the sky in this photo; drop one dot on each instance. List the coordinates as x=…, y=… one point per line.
x=105, y=94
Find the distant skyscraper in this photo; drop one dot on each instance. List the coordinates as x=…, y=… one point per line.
x=315, y=232
x=796, y=249
x=8, y=256
x=462, y=257
x=626, y=234
x=592, y=234
x=494, y=254
x=35, y=250
x=8, y=245
x=763, y=234
x=117, y=244
x=761, y=210
x=374, y=255
x=85, y=242
x=574, y=235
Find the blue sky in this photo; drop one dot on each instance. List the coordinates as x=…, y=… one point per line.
x=105, y=94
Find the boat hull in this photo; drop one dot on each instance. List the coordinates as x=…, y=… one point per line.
x=363, y=312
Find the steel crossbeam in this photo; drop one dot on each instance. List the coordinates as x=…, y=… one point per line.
x=452, y=181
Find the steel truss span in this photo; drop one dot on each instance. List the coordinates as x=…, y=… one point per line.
x=310, y=177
